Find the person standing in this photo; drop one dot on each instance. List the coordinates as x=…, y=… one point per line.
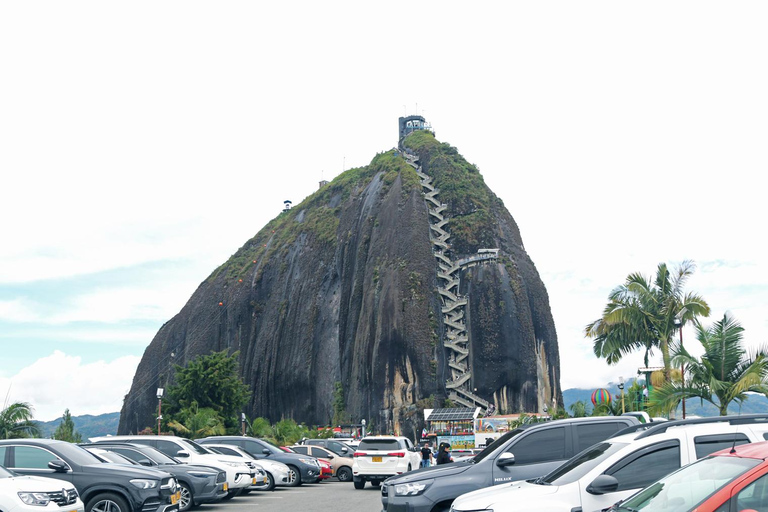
x=426, y=456
x=444, y=455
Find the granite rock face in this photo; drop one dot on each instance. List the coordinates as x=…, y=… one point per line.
x=343, y=288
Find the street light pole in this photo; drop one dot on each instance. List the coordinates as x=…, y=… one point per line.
x=621, y=388
x=159, y=408
x=679, y=325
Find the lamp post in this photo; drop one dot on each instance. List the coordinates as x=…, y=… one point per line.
x=159, y=408
x=363, y=423
x=242, y=422
x=679, y=325
x=621, y=388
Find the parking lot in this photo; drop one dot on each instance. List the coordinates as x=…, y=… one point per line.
x=328, y=496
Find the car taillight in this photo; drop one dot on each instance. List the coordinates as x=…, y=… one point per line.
x=359, y=454
x=396, y=454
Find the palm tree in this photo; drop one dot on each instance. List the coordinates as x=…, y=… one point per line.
x=195, y=422
x=642, y=314
x=16, y=421
x=724, y=374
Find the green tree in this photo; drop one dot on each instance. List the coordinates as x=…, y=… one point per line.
x=66, y=430
x=340, y=415
x=211, y=382
x=194, y=422
x=642, y=314
x=578, y=409
x=723, y=374
x=260, y=427
x=16, y=421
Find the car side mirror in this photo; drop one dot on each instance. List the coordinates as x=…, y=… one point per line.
x=266, y=452
x=330, y=457
x=58, y=466
x=603, y=484
x=145, y=462
x=344, y=450
x=505, y=459
x=182, y=454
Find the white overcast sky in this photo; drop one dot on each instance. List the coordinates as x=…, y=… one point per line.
x=142, y=143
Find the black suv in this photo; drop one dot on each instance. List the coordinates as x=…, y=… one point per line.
x=102, y=486
x=526, y=452
x=305, y=468
x=197, y=484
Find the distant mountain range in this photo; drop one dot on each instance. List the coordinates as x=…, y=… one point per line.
x=755, y=404
x=87, y=425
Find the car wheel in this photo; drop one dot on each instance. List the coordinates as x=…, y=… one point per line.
x=294, y=477
x=107, y=502
x=269, y=486
x=359, y=484
x=186, y=501
x=344, y=474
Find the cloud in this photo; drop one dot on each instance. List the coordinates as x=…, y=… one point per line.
x=59, y=381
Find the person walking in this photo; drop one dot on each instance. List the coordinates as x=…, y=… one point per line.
x=426, y=456
x=444, y=455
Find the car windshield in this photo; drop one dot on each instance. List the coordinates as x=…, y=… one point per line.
x=73, y=454
x=269, y=446
x=496, y=444
x=158, y=457
x=690, y=485
x=580, y=464
x=196, y=447
x=378, y=444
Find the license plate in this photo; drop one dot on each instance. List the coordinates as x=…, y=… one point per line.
x=376, y=459
x=175, y=497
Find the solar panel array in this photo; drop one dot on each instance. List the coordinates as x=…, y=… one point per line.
x=452, y=414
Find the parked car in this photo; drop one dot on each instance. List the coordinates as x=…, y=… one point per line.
x=618, y=467
x=304, y=469
x=528, y=451
x=37, y=494
x=197, y=484
x=101, y=486
x=336, y=446
x=342, y=465
x=326, y=469
x=277, y=472
x=379, y=457
x=239, y=475
x=735, y=478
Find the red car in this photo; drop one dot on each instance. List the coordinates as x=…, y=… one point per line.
x=734, y=479
x=326, y=469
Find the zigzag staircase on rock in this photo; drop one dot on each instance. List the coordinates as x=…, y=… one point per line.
x=454, y=304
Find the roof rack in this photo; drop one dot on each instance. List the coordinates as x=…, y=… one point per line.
x=744, y=419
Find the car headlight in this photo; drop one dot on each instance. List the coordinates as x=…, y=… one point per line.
x=40, y=499
x=311, y=462
x=412, y=488
x=144, y=483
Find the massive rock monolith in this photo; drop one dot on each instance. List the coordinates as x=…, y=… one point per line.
x=346, y=287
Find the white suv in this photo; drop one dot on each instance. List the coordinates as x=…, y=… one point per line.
x=240, y=475
x=379, y=457
x=618, y=467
